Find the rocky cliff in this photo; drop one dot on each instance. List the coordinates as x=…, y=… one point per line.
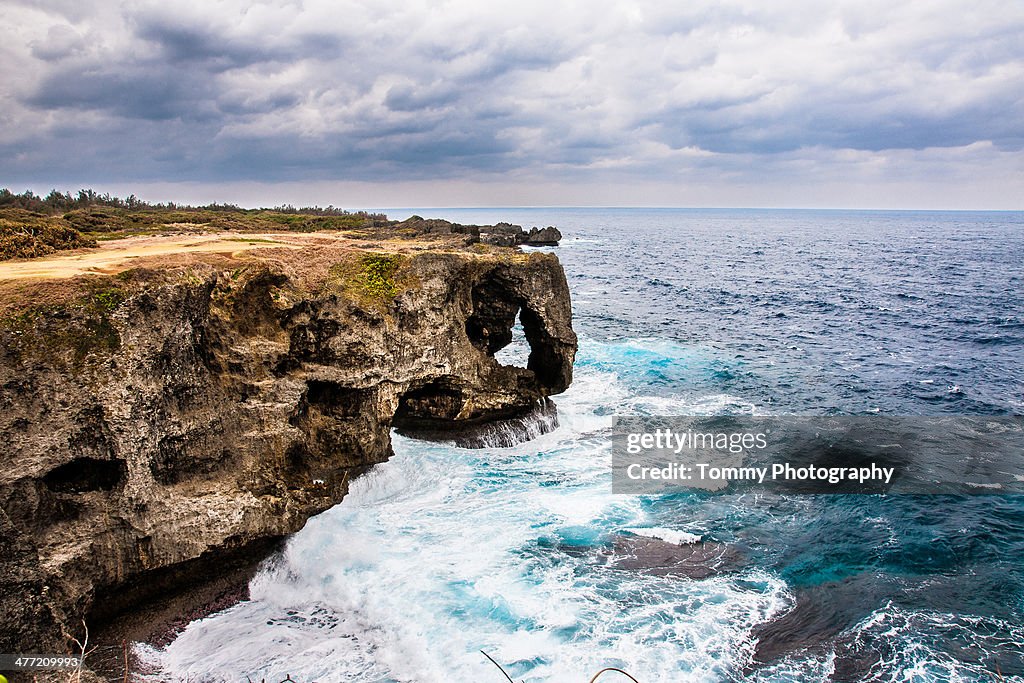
x=508, y=235
x=168, y=414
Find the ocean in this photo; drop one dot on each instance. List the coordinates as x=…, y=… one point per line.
x=444, y=552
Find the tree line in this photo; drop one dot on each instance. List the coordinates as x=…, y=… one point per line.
x=57, y=202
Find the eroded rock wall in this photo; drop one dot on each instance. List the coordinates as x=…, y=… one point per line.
x=163, y=418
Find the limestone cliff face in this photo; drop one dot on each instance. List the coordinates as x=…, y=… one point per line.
x=157, y=420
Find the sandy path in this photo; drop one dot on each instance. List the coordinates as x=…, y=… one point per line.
x=117, y=255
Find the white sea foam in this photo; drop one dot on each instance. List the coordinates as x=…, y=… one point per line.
x=896, y=645
x=442, y=552
x=667, y=535
x=904, y=642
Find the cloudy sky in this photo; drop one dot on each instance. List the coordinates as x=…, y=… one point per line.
x=786, y=103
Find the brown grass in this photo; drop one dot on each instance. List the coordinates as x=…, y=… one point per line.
x=24, y=234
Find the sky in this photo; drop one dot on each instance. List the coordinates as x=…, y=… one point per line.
x=789, y=103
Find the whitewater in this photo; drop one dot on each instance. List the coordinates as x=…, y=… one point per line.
x=524, y=553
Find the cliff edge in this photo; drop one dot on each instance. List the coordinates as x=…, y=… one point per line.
x=168, y=406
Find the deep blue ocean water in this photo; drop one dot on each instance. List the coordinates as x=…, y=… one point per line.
x=443, y=551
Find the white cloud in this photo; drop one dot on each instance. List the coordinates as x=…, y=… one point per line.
x=573, y=95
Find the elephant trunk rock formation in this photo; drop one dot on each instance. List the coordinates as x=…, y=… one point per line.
x=163, y=419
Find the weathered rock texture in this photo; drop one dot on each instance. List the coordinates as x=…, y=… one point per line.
x=508, y=235
x=160, y=422
x=500, y=234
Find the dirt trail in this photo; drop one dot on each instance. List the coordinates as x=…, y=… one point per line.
x=117, y=255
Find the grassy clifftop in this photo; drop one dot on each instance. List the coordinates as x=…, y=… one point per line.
x=25, y=234
x=28, y=234
x=32, y=226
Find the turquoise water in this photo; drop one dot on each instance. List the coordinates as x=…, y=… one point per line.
x=524, y=552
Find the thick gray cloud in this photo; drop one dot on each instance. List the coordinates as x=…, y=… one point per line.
x=604, y=93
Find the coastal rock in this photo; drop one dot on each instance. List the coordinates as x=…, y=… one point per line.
x=168, y=420
x=509, y=235
x=416, y=226
x=697, y=560
x=543, y=237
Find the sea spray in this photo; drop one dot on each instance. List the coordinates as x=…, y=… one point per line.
x=444, y=551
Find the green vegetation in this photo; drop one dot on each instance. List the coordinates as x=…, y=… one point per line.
x=24, y=234
x=117, y=222
x=32, y=226
x=371, y=278
x=109, y=299
x=378, y=275
x=58, y=203
x=252, y=240
x=72, y=330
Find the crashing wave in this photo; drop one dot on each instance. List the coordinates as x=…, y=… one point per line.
x=667, y=535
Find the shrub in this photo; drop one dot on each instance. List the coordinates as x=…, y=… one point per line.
x=30, y=241
x=378, y=275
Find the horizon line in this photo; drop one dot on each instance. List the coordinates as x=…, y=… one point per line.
x=693, y=208
x=651, y=207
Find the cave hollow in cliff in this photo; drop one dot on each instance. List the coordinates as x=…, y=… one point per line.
x=496, y=304
x=82, y=475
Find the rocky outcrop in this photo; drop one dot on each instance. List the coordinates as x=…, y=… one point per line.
x=164, y=421
x=500, y=234
x=508, y=235
x=416, y=226
x=543, y=237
